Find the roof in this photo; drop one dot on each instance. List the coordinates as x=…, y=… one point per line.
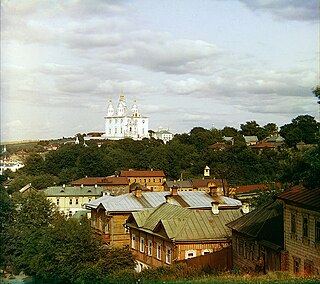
x=180, y=184
x=134, y=173
x=73, y=191
x=302, y=197
x=27, y=187
x=227, y=138
x=182, y=224
x=251, y=187
x=111, y=180
x=206, y=182
x=263, y=145
x=260, y=222
x=274, y=139
x=190, y=199
x=250, y=139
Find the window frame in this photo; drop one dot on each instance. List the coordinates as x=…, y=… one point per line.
x=150, y=248
x=133, y=241
x=159, y=251
x=168, y=255
x=141, y=244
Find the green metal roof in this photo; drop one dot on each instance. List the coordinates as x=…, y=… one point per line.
x=73, y=191
x=183, y=224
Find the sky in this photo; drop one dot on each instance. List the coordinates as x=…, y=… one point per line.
x=188, y=63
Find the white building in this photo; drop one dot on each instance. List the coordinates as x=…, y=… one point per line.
x=120, y=124
x=164, y=134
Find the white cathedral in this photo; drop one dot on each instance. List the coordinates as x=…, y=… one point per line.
x=120, y=124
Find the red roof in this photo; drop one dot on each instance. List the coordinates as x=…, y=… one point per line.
x=263, y=145
x=134, y=173
x=252, y=187
x=303, y=197
x=205, y=182
x=101, y=181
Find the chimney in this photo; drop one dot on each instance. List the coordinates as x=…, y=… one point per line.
x=64, y=186
x=95, y=186
x=174, y=190
x=138, y=192
x=81, y=185
x=245, y=208
x=213, y=190
x=169, y=198
x=215, y=207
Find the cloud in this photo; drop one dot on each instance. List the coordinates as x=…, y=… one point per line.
x=294, y=10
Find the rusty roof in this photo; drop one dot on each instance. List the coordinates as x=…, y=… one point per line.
x=265, y=223
x=111, y=180
x=302, y=197
x=134, y=173
x=206, y=182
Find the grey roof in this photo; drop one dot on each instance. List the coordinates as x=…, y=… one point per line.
x=227, y=138
x=182, y=224
x=73, y=191
x=274, y=139
x=180, y=184
x=190, y=199
x=250, y=138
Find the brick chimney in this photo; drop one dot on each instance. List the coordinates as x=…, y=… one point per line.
x=213, y=190
x=138, y=192
x=245, y=208
x=174, y=190
x=215, y=207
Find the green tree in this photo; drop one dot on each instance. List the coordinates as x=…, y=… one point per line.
x=303, y=128
x=252, y=128
x=316, y=92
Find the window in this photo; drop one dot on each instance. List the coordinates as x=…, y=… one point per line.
x=305, y=228
x=190, y=254
x=154, y=180
x=296, y=265
x=149, y=180
x=77, y=201
x=89, y=199
x=206, y=251
x=293, y=223
x=149, y=247
x=133, y=241
x=58, y=201
x=317, y=231
x=70, y=201
x=168, y=255
x=158, y=251
x=141, y=244
x=145, y=180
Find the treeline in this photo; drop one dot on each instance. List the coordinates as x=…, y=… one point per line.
x=184, y=157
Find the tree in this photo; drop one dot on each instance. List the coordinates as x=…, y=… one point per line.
x=252, y=128
x=303, y=128
x=316, y=92
x=270, y=129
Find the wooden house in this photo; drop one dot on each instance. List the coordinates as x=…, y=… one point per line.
x=170, y=233
x=301, y=230
x=112, y=184
x=257, y=239
x=109, y=213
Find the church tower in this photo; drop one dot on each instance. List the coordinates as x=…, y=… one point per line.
x=110, y=111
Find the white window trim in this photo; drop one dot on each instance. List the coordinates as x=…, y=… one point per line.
x=149, y=248
x=142, y=242
x=168, y=255
x=204, y=251
x=159, y=251
x=194, y=252
x=133, y=241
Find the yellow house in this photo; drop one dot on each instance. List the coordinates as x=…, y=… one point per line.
x=71, y=199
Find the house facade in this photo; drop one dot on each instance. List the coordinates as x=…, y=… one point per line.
x=109, y=213
x=153, y=180
x=170, y=233
x=70, y=200
x=301, y=230
x=111, y=184
x=257, y=239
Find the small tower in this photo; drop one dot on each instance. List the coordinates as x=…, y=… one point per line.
x=110, y=111
x=122, y=107
x=206, y=172
x=135, y=109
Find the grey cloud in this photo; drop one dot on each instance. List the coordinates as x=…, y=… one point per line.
x=297, y=10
